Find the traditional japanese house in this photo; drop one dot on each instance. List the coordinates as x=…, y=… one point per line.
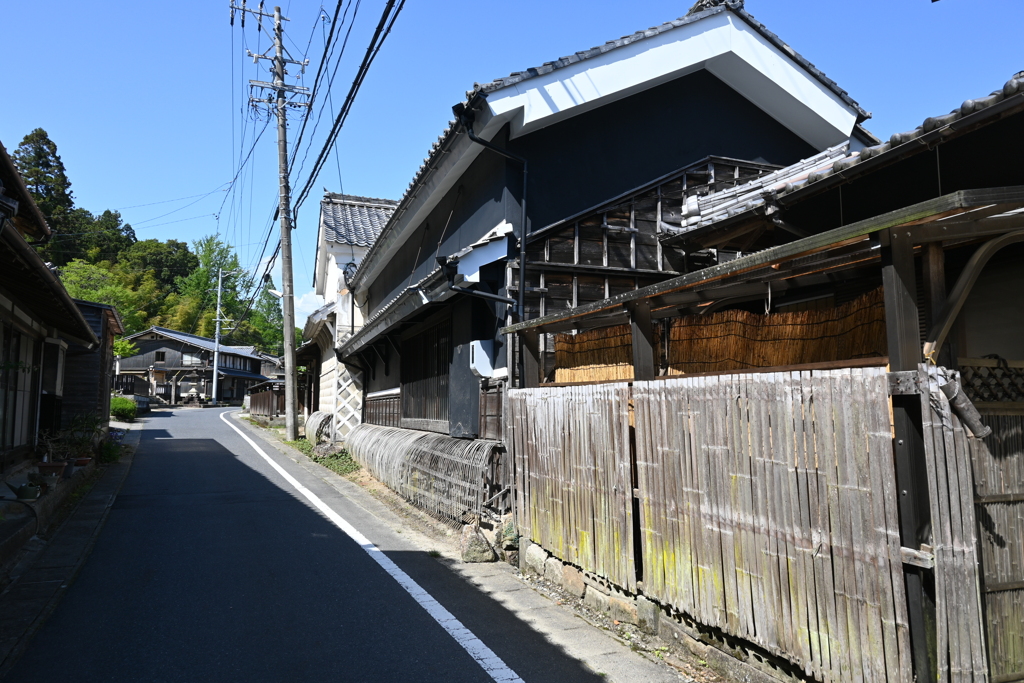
x=348, y=227
x=674, y=112
x=576, y=169
x=179, y=367
x=37, y=318
x=89, y=373
x=815, y=445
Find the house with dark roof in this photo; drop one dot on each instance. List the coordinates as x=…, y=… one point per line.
x=89, y=372
x=572, y=172
x=348, y=227
x=901, y=259
x=38, y=318
x=177, y=367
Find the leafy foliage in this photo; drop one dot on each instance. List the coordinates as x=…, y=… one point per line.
x=125, y=347
x=150, y=282
x=122, y=408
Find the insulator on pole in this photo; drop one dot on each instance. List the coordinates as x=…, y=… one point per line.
x=243, y=13
x=232, y=15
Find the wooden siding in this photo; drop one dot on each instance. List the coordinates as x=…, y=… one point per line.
x=572, y=458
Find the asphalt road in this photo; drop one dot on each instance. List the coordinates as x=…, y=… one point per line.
x=212, y=567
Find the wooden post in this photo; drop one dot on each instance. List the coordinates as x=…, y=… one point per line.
x=644, y=368
x=904, y=340
x=933, y=261
x=531, y=359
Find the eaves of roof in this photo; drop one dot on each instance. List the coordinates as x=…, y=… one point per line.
x=200, y=342
x=963, y=200
x=828, y=169
x=30, y=220
x=734, y=6
x=39, y=290
x=407, y=303
x=446, y=140
x=115, y=317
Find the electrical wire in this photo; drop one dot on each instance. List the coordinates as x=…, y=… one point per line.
x=387, y=22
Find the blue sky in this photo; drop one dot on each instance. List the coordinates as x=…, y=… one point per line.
x=145, y=100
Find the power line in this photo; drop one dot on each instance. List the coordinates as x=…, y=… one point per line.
x=387, y=21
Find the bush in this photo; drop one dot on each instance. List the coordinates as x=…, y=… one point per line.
x=122, y=408
x=110, y=452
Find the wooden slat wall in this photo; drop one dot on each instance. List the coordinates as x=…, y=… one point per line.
x=960, y=639
x=572, y=452
x=998, y=462
x=768, y=510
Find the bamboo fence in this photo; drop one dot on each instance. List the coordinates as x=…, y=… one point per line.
x=571, y=449
x=998, y=467
x=960, y=641
x=733, y=340
x=768, y=510
x=444, y=476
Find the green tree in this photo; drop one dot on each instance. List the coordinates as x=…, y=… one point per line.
x=46, y=178
x=125, y=347
x=43, y=171
x=167, y=261
x=97, y=283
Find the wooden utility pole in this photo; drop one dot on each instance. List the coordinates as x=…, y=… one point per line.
x=281, y=104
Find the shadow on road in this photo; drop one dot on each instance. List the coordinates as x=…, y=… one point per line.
x=209, y=570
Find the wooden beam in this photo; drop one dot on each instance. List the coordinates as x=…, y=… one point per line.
x=644, y=367
x=956, y=201
x=908, y=446
x=530, y=348
x=964, y=284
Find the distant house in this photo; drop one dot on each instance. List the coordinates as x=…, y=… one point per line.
x=88, y=372
x=37, y=319
x=176, y=364
x=348, y=227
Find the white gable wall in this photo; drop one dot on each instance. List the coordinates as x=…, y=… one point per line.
x=723, y=44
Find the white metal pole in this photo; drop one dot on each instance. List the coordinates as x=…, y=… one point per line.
x=216, y=338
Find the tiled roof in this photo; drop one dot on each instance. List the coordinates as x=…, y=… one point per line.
x=348, y=219
x=200, y=342
x=701, y=10
x=733, y=201
x=451, y=132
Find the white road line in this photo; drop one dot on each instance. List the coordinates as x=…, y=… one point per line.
x=491, y=663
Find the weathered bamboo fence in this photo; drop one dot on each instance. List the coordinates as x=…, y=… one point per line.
x=767, y=505
x=732, y=340
x=444, y=476
x=768, y=510
x=571, y=447
x=998, y=465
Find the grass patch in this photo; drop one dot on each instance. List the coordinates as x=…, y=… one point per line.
x=303, y=446
x=434, y=553
x=340, y=462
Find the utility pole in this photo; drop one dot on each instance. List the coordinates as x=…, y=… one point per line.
x=281, y=104
x=216, y=337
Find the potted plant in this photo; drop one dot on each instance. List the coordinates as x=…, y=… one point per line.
x=54, y=451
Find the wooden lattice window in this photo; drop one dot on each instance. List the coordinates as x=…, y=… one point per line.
x=426, y=358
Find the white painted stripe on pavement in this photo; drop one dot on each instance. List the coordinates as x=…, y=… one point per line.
x=491, y=663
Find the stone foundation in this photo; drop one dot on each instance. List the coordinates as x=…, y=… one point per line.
x=729, y=656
